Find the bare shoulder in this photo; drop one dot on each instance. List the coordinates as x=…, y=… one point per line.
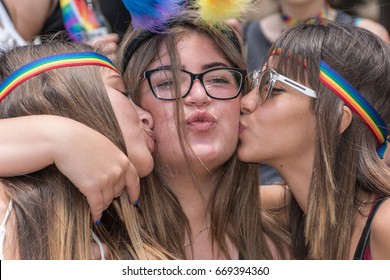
x=275, y=199
x=375, y=28
x=274, y=196
x=274, y=251
x=380, y=232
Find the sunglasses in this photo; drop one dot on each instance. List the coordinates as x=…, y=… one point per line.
x=265, y=81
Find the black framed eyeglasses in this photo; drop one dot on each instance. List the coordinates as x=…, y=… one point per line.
x=265, y=81
x=219, y=83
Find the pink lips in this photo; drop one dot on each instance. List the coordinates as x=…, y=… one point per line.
x=200, y=121
x=241, y=127
x=151, y=140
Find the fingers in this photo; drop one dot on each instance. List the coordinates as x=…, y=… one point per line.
x=102, y=200
x=107, y=43
x=132, y=185
x=96, y=203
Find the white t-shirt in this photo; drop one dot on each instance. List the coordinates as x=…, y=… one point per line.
x=9, y=37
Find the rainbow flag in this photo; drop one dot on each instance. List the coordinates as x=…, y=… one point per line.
x=78, y=18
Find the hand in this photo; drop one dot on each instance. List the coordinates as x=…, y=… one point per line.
x=107, y=43
x=94, y=165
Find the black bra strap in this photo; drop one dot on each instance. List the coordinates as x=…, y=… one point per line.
x=365, y=237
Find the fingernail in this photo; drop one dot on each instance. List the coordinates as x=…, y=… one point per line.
x=135, y=204
x=98, y=222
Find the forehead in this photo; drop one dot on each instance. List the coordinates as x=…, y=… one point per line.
x=193, y=48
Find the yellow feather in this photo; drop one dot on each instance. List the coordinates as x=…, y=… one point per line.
x=215, y=12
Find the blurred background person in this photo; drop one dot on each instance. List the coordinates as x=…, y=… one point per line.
x=101, y=23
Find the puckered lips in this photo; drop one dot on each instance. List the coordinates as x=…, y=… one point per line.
x=151, y=138
x=200, y=121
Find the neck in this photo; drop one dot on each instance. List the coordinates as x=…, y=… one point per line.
x=302, y=11
x=297, y=175
x=193, y=196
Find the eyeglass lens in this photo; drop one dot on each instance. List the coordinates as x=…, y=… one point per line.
x=264, y=87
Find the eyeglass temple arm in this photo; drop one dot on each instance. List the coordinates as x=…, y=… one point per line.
x=305, y=90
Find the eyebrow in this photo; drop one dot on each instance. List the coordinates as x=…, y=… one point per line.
x=203, y=67
x=214, y=65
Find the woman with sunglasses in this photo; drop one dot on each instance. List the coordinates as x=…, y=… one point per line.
x=319, y=114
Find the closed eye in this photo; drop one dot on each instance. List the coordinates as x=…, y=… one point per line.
x=167, y=84
x=276, y=90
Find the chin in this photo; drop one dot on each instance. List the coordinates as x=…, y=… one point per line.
x=145, y=169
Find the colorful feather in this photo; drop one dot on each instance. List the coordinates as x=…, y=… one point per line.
x=215, y=12
x=152, y=14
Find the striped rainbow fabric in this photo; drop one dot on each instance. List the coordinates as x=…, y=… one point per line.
x=41, y=65
x=357, y=103
x=78, y=18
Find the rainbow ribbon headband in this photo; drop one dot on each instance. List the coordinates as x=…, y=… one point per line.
x=52, y=62
x=357, y=103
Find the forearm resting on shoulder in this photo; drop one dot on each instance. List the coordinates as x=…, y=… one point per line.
x=28, y=143
x=97, y=167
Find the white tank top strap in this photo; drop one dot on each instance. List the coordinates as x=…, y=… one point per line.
x=99, y=243
x=3, y=230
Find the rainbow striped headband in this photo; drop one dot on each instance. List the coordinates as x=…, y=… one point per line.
x=357, y=103
x=41, y=65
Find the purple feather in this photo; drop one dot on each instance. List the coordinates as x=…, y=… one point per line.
x=152, y=14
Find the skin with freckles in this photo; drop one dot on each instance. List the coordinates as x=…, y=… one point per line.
x=212, y=141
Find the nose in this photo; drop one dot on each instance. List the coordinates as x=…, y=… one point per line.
x=145, y=117
x=197, y=95
x=249, y=102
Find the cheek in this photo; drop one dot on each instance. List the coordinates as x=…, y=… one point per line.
x=228, y=115
x=163, y=116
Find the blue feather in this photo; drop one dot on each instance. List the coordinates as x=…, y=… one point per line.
x=152, y=14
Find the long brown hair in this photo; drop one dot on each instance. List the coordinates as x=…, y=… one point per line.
x=234, y=206
x=345, y=164
x=52, y=217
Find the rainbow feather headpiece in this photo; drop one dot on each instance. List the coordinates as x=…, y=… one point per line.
x=357, y=103
x=41, y=65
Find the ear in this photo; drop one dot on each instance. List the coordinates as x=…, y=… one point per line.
x=346, y=119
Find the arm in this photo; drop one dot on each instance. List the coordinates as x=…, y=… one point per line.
x=30, y=16
x=374, y=27
x=92, y=162
x=380, y=232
